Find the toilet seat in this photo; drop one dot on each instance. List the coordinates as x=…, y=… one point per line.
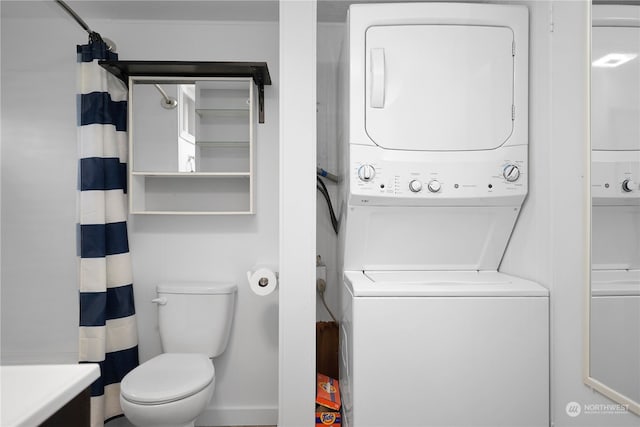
x=168, y=377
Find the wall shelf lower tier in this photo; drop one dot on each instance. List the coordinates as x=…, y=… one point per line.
x=191, y=193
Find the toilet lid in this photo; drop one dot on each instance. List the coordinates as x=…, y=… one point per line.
x=167, y=378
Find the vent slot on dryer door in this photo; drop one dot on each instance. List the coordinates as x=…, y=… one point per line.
x=439, y=87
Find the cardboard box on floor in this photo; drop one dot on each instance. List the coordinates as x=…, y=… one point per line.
x=328, y=401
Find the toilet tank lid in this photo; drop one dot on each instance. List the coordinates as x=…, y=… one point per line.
x=202, y=288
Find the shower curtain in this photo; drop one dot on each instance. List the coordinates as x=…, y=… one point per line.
x=108, y=332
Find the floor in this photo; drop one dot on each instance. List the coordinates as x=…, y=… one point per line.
x=123, y=422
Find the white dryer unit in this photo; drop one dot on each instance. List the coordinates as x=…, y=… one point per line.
x=435, y=116
x=434, y=144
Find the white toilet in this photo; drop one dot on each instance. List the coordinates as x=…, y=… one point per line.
x=172, y=389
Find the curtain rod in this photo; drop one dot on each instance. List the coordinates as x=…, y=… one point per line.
x=93, y=36
x=74, y=15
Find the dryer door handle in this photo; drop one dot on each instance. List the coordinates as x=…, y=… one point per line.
x=377, y=77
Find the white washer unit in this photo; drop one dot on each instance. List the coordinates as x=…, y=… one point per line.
x=434, y=140
x=615, y=190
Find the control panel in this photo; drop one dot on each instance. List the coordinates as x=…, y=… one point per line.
x=615, y=177
x=436, y=178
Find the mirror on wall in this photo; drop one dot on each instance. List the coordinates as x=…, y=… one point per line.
x=614, y=311
x=205, y=129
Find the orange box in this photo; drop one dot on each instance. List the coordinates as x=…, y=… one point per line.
x=328, y=419
x=328, y=392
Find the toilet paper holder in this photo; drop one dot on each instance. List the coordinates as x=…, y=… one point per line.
x=262, y=280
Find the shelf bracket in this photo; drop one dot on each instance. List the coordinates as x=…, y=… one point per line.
x=260, y=102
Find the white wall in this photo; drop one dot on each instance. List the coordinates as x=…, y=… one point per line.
x=329, y=43
x=549, y=244
x=297, y=204
x=39, y=289
x=569, y=166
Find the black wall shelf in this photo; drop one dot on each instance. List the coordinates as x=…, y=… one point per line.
x=256, y=70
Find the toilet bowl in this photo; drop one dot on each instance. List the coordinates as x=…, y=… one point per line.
x=175, y=387
x=170, y=390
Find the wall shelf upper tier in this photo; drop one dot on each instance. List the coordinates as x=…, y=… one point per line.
x=256, y=70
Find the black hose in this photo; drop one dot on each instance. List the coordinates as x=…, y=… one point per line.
x=322, y=188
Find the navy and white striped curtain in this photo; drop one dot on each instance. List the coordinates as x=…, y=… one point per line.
x=108, y=331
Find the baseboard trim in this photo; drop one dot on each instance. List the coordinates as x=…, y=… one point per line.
x=247, y=416
x=33, y=358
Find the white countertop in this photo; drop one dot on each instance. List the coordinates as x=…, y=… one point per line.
x=29, y=394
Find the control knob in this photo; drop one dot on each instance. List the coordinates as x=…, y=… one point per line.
x=434, y=186
x=511, y=173
x=366, y=172
x=415, y=186
x=627, y=185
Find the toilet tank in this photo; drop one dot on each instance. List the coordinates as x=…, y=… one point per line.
x=195, y=317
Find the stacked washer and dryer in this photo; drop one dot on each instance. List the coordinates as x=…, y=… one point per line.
x=434, y=150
